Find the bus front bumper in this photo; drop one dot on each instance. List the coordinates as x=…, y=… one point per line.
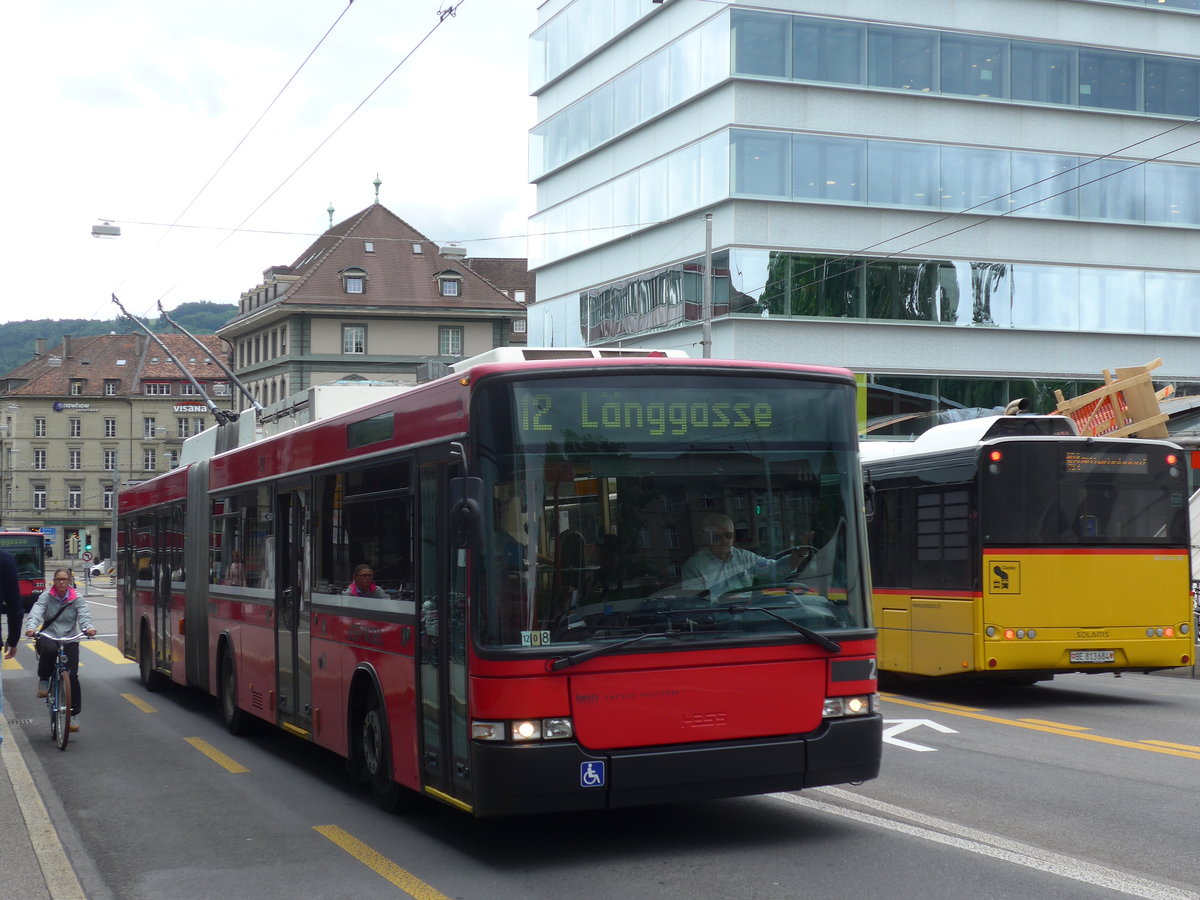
x=552, y=777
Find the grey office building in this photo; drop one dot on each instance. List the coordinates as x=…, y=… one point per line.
x=964, y=201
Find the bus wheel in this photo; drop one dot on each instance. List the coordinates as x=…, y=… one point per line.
x=375, y=756
x=153, y=681
x=236, y=720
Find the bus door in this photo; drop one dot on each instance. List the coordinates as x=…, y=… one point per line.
x=154, y=583
x=445, y=741
x=293, y=636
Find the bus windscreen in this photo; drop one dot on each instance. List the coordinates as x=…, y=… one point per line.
x=676, y=508
x=1098, y=493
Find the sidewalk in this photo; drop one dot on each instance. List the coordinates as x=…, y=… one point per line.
x=35, y=865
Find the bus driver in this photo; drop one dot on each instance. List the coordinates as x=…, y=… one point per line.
x=721, y=567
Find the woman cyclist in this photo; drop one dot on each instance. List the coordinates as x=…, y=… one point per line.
x=60, y=612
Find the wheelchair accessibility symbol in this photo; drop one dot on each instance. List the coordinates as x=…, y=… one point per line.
x=591, y=774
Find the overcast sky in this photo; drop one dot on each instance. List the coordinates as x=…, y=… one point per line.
x=122, y=110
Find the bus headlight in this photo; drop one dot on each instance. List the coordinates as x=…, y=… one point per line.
x=523, y=731
x=844, y=707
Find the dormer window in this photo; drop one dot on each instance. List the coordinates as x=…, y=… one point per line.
x=354, y=281
x=368, y=246
x=416, y=247
x=78, y=386
x=449, y=284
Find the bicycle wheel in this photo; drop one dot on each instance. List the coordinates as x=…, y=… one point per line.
x=62, y=709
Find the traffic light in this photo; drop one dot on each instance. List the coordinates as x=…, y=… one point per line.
x=87, y=542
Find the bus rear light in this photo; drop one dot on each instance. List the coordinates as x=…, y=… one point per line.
x=1014, y=634
x=1169, y=631
x=844, y=707
x=523, y=731
x=1184, y=628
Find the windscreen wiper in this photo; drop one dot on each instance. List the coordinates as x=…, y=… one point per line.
x=564, y=662
x=815, y=636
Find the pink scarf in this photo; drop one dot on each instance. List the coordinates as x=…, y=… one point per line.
x=355, y=592
x=70, y=595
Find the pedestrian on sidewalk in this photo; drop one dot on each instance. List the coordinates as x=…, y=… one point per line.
x=11, y=609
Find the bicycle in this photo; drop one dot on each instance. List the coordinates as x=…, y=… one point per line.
x=58, y=700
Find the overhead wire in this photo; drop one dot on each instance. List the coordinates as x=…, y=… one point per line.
x=443, y=15
x=261, y=116
x=251, y=129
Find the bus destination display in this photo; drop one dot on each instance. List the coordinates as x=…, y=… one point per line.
x=645, y=414
x=1085, y=461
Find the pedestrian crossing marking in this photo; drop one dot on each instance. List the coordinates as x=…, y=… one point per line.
x=107, y=651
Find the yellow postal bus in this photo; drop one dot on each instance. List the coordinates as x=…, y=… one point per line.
x=1010, y=548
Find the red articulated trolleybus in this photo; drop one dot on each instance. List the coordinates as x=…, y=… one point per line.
x=558, y=622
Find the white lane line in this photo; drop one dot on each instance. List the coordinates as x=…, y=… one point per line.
x=972, y=840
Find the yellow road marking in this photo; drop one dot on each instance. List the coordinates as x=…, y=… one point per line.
x=217, y=756
x=108, y=651
x=139, y=703
x=1053, y=729
x=1176, y=746
x=380, y=864
x=1057, y=725
x=12, y=665
x=956, y=706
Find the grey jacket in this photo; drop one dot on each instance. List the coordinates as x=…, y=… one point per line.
x=76, y=617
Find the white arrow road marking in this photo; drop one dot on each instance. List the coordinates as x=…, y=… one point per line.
x=899, y=726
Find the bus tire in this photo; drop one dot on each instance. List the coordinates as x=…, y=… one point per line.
x=152, y=680
x=237, y=720
x=375, y=755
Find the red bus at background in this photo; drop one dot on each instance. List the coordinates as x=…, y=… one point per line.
x=29, y=550
x=537, y=637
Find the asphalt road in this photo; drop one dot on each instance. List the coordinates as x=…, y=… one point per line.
x=1085, y=787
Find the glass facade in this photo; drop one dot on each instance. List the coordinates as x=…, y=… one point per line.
x=803, y=48
x=961, y=293
x=681, y=70
x=753, y=44
x=579, y=29
x=779, y=165
x=1158, y=4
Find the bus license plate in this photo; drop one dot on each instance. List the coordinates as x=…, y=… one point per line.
x=1093, y=656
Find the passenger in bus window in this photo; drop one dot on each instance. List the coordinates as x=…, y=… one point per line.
x=235, y=575
x=720, y=567
x=364, y=584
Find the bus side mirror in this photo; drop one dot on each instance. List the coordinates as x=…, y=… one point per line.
x=868, y=496
x=466, y=512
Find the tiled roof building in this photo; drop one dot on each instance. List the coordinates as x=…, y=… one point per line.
x=372, y=299
x=92, y=413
